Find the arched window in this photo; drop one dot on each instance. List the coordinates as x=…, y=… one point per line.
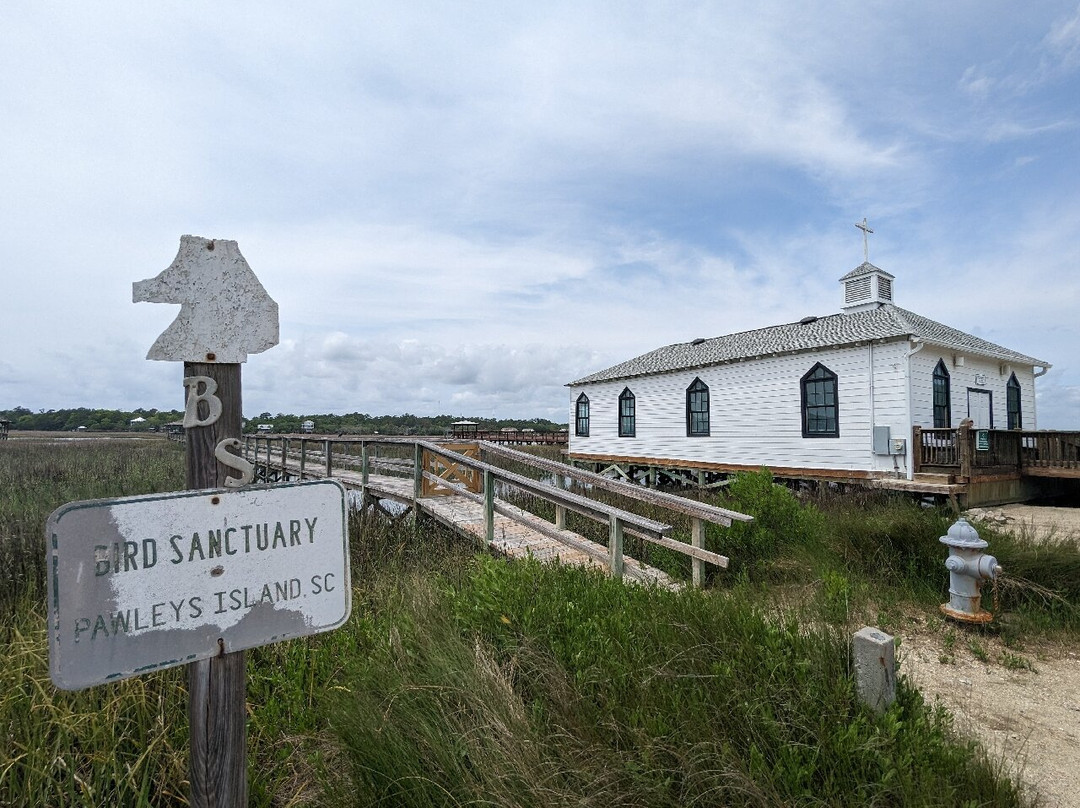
x=1012, y=403
x=942, y=406
x=627, y=414
x=820, y=417
x=581, y=416
x=697, y=409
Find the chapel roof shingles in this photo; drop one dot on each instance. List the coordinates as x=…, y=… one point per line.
x=887, y=322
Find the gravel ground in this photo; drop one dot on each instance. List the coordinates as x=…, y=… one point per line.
x=1024, y=705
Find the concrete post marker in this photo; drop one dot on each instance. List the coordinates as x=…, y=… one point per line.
x=874, y=654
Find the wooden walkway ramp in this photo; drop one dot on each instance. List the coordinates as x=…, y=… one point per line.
x=451, y=484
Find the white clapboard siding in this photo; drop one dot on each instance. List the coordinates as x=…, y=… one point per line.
x=756, y=411
x=755, y=414
x=891, y=401
x=963, y=377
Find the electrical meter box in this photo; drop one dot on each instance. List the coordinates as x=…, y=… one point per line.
x=886, y=444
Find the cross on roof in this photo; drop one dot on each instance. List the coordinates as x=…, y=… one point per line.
x=865, y=243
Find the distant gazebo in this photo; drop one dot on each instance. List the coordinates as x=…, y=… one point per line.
x=464, y=430
x=4, y=425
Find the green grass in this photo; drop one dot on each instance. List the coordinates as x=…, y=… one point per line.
x=464, y=680
x=523, y=684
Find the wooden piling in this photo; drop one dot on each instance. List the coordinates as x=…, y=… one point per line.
x=216, y=686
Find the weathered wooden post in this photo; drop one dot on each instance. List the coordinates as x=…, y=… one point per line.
x=216, y=686
x=489, y=506
x=615, y=547
x=365, y=471
x=419, y=458
x=225, y=314
x=560, y=510
x=697, y=539
x=967, y=448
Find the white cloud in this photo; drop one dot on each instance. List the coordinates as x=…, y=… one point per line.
x=1062, y=43
x=476, y=204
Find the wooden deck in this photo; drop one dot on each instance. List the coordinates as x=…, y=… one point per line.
x=458, y=490
x=966, y=466
x=967, y=454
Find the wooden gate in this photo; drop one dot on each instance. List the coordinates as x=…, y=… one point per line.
x=451, y=472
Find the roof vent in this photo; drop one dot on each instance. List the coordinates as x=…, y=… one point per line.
x=698, y=341
x=866, y=287
x=808, y=320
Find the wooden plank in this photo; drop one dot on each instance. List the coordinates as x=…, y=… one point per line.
x=580, y=504
x=692, y=551
x=1072, y=472
x=709, y=513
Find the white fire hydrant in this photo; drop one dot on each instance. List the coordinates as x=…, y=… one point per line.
x=968, y=567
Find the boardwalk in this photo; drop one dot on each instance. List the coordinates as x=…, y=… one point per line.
x=459, y=491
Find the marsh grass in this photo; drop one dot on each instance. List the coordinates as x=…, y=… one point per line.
x=38, y=477
x=523, y=684
x=464, y=680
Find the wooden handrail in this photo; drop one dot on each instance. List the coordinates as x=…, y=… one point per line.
x=554, y=531
x=699, y=510
x=575, y=502
x=618, y=520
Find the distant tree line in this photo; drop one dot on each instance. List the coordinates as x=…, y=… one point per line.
x=354, y=423
x=92, y=420
x=359, y=423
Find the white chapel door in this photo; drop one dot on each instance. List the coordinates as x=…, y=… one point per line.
x=979, y=409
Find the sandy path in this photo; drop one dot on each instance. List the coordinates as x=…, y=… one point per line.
x=1028, y=719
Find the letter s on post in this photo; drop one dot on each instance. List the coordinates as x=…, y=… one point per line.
x=227, y=458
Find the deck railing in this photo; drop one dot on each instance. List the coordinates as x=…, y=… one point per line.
x=966, y=449
x=1055, y=449
x=452, y=468
x=520, y=436
x=936, y=447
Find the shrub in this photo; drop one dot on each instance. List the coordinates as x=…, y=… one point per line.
x=780, y=524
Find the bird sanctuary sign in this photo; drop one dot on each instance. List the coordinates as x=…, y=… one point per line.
x=143, y=583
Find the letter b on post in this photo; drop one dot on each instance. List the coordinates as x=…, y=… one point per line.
x=191, y=406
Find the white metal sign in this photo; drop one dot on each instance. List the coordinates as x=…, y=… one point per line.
x=144, y=583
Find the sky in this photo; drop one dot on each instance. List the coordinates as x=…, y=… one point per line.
x=461, y=207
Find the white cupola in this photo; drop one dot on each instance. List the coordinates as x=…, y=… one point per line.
x=866, y=287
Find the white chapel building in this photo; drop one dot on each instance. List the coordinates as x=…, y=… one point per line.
x=827, y=397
